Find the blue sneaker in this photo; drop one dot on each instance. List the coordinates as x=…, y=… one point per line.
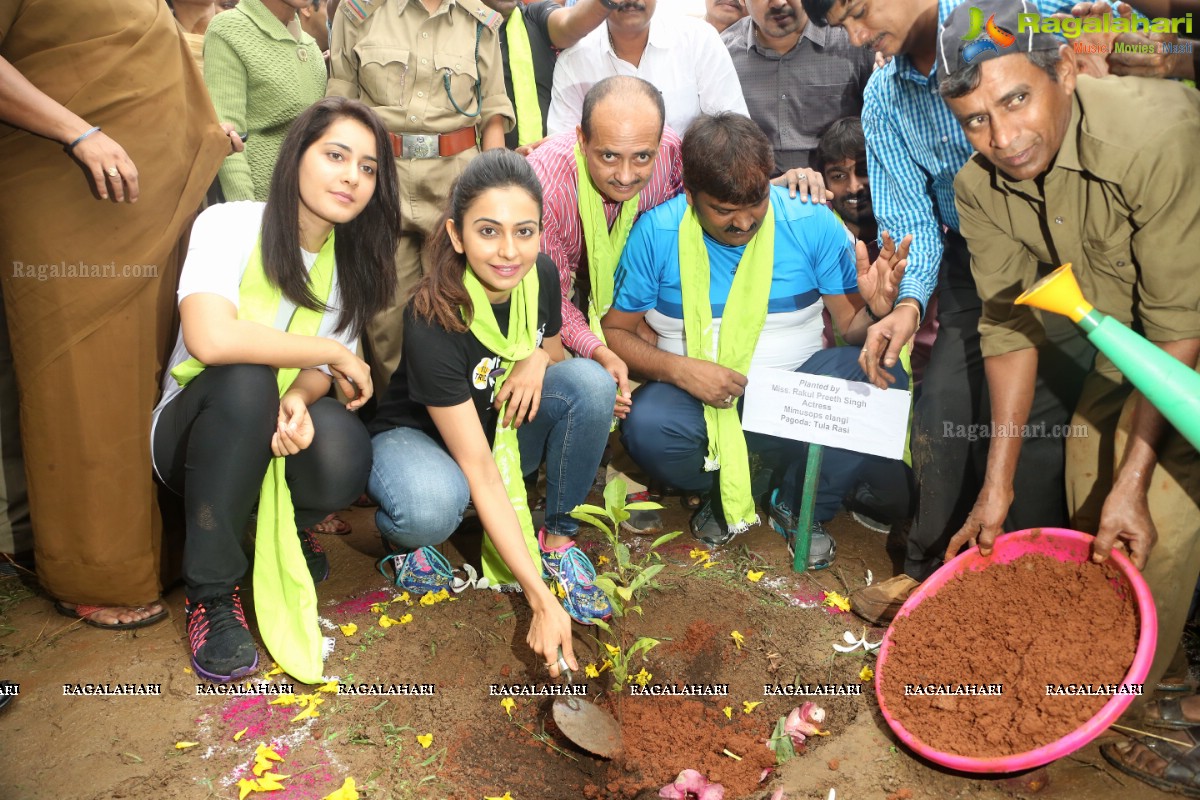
x=568, y=565
x=822, y=549
x=420, y=572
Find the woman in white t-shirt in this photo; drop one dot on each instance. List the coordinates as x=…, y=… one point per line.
x=267, y=288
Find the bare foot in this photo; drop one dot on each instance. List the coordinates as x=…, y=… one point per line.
x=116, y=615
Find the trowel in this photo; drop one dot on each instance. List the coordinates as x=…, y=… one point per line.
x=585, y=723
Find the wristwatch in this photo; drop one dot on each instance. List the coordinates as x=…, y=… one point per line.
x=611, y=5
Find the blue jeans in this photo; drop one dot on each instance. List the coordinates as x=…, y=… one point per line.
x=422, y=493
x=665, y=434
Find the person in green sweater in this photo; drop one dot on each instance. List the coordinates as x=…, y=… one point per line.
x=262, y=71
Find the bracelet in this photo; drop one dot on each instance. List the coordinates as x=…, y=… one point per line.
x=82, y=136
x=871, y=313
x=908, y=301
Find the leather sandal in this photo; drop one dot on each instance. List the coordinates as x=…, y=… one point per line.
x=1169, y=714
x=1182, y=773
x=85, y=613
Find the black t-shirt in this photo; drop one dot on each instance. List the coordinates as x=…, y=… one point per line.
x=537, y=23
x=441, y=368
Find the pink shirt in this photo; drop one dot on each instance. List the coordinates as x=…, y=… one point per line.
x=562, y=230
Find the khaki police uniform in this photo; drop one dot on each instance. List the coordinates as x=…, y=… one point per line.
x=1120, y=205
x=398, y=58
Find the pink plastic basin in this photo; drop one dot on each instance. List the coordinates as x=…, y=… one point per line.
x=1063, y=545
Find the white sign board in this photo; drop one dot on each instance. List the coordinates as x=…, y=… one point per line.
x=827, y=411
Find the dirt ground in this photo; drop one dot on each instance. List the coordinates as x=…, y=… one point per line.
x=92, y=748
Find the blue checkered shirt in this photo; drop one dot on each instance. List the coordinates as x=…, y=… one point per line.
x=915, y=147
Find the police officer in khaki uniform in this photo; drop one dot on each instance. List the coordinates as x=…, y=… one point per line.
x=432, y=71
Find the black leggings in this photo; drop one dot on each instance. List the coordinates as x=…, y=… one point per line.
x=212, y=445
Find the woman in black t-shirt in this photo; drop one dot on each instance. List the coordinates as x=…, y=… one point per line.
x=480, y=341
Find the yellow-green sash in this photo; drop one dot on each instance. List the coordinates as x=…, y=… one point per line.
x=603, y=248
x=524, y=80
x=515, y=345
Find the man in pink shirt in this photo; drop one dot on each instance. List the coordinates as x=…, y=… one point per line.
x=622, y=160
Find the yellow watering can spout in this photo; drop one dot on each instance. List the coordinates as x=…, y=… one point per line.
x=1059, y=293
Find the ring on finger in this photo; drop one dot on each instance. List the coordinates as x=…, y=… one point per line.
x=113, y=172
x=803, y=177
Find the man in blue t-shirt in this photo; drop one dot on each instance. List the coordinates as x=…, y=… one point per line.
x=727, y=164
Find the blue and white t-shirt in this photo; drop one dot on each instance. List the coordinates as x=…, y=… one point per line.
x=814, y=256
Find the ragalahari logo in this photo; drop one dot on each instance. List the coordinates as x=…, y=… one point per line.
x=995, y=35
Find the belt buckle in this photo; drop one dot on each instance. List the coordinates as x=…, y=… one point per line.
x=419, y=145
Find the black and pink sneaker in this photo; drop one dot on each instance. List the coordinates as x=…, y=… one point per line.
x=314, y=555
x=222, y=648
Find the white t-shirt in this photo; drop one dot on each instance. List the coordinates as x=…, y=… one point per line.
x=223, y=238
x=685, y=59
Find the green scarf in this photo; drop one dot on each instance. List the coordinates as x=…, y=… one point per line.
x=512, y=347
x=285, y=600
x=603, y=248
x=525, y=96
x=745, y=313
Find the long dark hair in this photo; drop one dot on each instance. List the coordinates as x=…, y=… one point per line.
x=441, y=294
x=365, y=247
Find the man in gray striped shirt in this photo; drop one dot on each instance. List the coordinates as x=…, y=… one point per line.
x=797, y=77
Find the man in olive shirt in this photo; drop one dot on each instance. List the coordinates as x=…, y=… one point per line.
x=1068, y=170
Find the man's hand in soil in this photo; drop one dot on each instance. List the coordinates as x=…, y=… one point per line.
x=712, y=384
x=984, y=523
x=1125, y=522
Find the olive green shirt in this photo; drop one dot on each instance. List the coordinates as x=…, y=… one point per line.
x=1121, y=203
x=395, y=56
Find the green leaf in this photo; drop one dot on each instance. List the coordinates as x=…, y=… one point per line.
x=614, y=494
x=637, y=609
x=625, y=592
x=595, y=521
x=619, y=515
x=642, y=645
x=781, y=743
x=643, y=505
x=587, y=508
x=666, y=537
x=621, y=551
x=602, y=625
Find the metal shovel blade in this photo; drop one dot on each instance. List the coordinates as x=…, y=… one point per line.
x=588, y=726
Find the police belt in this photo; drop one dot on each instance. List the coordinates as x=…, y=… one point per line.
x=432, y=145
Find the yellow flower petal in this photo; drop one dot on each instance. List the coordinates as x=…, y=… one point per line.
x=866, y=673
x=591, y=671
x=404, y=620
x=378, y=609
x=748, y=706
x=425, y=740
x=754, y=576
x=709, y=564
x=643, y=677
x=284, y=700
x=601, y=560
x=835, y=600
x=329, y=688
x=427, y=600
x=307, y=713
x=611, y=649
x=185, y=745
x=700, y=553
x=245, y=787
x=738, y=639
x=274, y=672
x=508, y=704
x=346, y=792
x=505, y=796
x=188, y=670
x=270, y=782
x=728, y=712
x=349, y=630
x=442, y=594
x=606, y=664
x=402, y=598
x=237, y=737
x=386, y=622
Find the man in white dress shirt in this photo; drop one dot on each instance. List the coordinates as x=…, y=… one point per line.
x=682, y=56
